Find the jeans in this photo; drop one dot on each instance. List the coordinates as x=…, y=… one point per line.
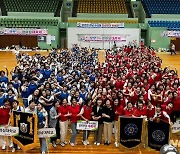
x=74, y=132
x=86, y=134
x=25, y=102
x=43, y=144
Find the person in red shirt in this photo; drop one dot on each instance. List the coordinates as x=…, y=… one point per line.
x=140, y=111
x=5, y=111
x=150, y=110
x=129, y=110
x=86, y=112
x=118, y=109
x=121, y=99
x=176, y=108
x=168, y=108
x=161, y=115
x=63, y=112
x=74, y=111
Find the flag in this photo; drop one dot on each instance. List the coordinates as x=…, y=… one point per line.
x=131, y=131
x=27, y=123
x=158, y=134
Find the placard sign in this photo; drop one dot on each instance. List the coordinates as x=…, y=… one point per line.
x=46, y=132
x=83, y=125
x=9, y=131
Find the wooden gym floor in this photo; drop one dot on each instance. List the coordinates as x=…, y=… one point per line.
x=8, y=59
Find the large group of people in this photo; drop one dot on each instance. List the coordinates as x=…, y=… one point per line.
x=70, y=85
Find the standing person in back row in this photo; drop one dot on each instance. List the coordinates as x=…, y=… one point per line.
x=172, y=48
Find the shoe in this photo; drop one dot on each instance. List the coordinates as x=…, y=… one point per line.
x=87, y=142
x=3, y=147
x=11, y=145
x=95, y=143
x=105, y=143
x=13, y=149
x=108, y=143
x=98, y=144
x=72, y=144
x=43, y=152
x=18, y=148
x=116, y=144
x=84, y=143
x=54, y=145
x=62, y=144
x=65, y=143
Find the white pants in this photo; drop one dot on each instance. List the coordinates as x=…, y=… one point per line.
x=63, y=130
x=4, y=140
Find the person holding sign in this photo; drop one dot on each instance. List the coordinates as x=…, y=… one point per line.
x=97, y=116
x=5, y=111
x=86, y=112
x=74, y=111
x=108, y=118
x=16, y=107
x=42, y=123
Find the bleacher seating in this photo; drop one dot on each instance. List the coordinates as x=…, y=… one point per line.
x=31, y=5
x=102, y=6
x=170, y=25
x=19, y=22
x=162, y=6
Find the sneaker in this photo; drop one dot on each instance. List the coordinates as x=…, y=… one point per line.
x=13, y=149
x=108, y=143
x=98, y=144
x=95, y=143
x=11, y=145
x=54, y=145
x=18, y=148
x=116, y=144
x=72, y=144
x=3, y=147
x=84, y=142
x=65, y=143
x=105, y=143
x=62, y=144
x=43, y=152
x=87, y=142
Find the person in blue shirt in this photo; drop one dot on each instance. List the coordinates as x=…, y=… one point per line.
x=93, y=76
x=3, y=77
x=3, y=96
x=62, y=94
x=59, y=77
x=32, y=86
x=25, y=92
x=11, y=95
x=47, y=72
x=42, y=123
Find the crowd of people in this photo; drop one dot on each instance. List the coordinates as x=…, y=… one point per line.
x=64, y=87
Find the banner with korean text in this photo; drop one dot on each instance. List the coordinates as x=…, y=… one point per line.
x=83, y=125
